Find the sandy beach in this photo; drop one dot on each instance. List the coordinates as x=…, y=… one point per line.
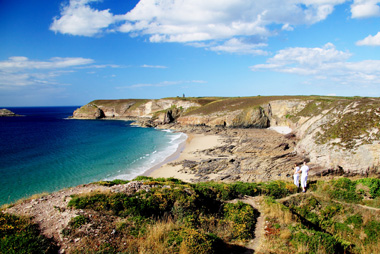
x=189, y=150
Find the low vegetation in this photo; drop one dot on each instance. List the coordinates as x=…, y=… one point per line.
x=354, y=121
x=20, y=235
x=236, y=103
x=337, y=217
x=171, y=216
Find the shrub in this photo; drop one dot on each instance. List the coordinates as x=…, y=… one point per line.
x=143, y=178
x=372, y=230
x=19, y=235
x=78, y=221
x=190, y=240
x=373, y=184
x=356, y=220
x=318, y=242
x=344, y=189
x=243, y=218
x=276, y=189
x=112, y=183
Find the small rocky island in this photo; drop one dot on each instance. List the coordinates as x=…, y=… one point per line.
x=6, y=113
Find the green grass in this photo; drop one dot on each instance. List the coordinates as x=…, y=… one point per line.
x=237, y=103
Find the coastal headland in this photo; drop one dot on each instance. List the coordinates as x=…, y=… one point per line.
x=228, y=188
x=336, y=134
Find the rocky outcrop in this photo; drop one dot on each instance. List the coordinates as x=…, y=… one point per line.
x=248, y=118
x=89, y=111
x=246, y=155
x=335, y=133
x=130, y=109
x=7, y=113
x=342, y=135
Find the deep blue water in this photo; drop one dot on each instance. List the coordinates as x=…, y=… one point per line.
x=43, y=151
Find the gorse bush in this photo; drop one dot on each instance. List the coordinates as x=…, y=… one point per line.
x=373, y=184
x=243, y=220
x=78, y=221
x=344, y=189
x=372, y=229
x=19, y=235
x=171, y=216
x=205, y=220
x=318, y=242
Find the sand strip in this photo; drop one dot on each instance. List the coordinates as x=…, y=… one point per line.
x=193, y=145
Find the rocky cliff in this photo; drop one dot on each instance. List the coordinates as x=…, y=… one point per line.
x=334, y=132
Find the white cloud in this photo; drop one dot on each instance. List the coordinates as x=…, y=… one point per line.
x=153, y=66
x=198, y=20
x=163, y=84
x=238, y=46
x=195, y=21
x=365, y=8
x=78, y=18
x=326, y=63
x=287, y=27
x=21, y=62
x=370, y=40
x=19, y=71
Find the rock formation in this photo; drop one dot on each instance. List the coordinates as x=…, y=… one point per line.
x=335, y=133
x=7, y=113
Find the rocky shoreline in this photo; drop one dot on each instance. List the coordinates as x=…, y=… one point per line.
x=335, y=133
x=7, y=113
x=248, y=155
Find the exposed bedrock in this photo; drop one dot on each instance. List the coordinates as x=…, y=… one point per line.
x=335, y=133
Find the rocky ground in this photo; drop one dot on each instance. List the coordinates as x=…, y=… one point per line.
x=246, y=155
x=52, y=214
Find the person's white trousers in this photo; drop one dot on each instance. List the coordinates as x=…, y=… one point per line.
x=303, y=181
x=297, y=180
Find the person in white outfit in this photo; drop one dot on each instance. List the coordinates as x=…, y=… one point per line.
x=296, y=175
x=304, y=169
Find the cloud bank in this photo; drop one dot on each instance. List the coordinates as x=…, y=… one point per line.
x=325, y=63
x=227, y=23
x=365, y=8
x=20, y=71
x=370, y=40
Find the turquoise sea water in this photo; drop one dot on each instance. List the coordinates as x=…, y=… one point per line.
x=43, y=151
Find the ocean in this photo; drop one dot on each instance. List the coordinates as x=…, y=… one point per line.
x=44, y=151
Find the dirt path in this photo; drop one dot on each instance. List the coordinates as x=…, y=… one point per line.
x=255, y=202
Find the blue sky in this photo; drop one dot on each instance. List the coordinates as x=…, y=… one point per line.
x=55, y=52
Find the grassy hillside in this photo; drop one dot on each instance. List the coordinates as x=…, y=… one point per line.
x=236, y=103
x=171, y=216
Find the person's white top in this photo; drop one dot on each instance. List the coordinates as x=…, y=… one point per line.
x=296, y=169
x=305, y=170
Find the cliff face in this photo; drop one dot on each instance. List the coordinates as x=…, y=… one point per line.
x=121, y=109
x=341, y=134
x=247, y=118
x=335, y=133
